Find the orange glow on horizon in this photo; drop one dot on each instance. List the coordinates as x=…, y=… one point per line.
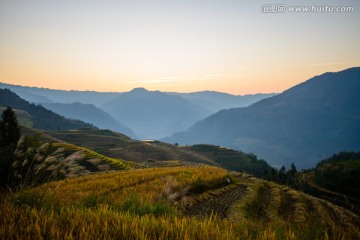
x=258, y=83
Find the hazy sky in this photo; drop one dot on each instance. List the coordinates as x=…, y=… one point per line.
x=173, y=45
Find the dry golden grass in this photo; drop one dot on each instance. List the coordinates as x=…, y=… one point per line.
x=148, y=204
x=122, y=164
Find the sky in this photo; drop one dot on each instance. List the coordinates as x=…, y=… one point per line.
x=234, y=46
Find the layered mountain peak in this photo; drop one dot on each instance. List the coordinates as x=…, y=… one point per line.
x=154, y=114
x=139, y=90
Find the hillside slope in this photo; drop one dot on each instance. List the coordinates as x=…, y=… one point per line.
x=340, y=173
x=36, y=161
x=90, y=114
x=301, y=125
x=156, y=153
x=40, y=116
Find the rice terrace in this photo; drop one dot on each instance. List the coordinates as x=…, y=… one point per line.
x=175, y=203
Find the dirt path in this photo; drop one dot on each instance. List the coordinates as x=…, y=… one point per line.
x=218, y=204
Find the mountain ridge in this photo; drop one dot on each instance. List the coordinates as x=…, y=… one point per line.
x=91, y=114
x=42, y=118
x=215, y=101
x=63, y=96
x=303, y=124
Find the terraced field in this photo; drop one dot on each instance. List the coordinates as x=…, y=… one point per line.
x=89, y=154
x=158, y=154
x=154, y=153
x=273, y=202
x=255, y=199
x=231, y=159
x=217, y=203
x=246, y=200
x=119, y=146
x=171, y=203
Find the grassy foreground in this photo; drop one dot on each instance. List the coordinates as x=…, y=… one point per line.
x=170, y=203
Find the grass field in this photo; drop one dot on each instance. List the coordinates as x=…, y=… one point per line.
x=171, y=203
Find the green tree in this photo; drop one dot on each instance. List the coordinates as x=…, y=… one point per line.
x=9, y=128
x=9, y=136
x=282, y=175
x=292, y=177
x=292, y=172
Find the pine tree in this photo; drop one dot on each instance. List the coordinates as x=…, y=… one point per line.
x=9, y=128
x=282, y=175
x=9, y=136
x=293, y=170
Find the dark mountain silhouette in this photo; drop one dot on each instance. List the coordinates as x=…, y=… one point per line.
x=60, y=96
x=154, y=114
x=302, y=125
x=90, y=114
x=41, y=117
x=215, y=101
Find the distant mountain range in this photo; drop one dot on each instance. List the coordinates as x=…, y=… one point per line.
x=150, y=114
x=212, y=101
x=90, y=114
x=302, y=125
x=45, y=95
x=40, y=117
x=154, y=114
x=216, y=101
